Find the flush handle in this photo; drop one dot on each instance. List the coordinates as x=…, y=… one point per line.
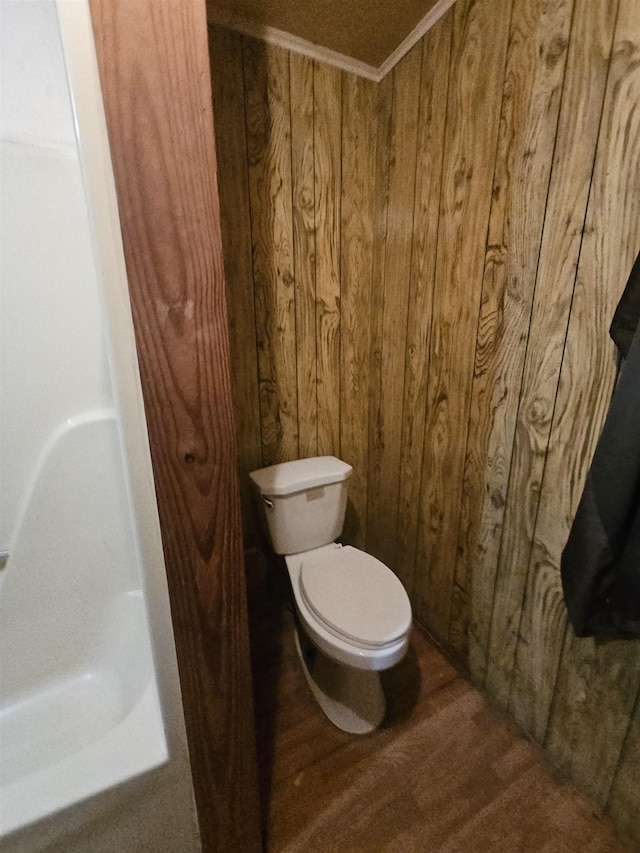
x=267, y=502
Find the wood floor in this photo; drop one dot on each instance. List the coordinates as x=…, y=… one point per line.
x=447, y=772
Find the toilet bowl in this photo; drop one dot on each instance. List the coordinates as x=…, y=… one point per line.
x=353, y=614
x=365, y=627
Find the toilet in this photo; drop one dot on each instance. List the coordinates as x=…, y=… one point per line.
x=353, y=614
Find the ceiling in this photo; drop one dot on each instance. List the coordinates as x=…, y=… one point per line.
x=368, y=33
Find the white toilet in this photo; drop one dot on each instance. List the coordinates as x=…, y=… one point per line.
x=351, y=607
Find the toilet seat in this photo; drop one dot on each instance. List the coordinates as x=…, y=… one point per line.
x=355, y=597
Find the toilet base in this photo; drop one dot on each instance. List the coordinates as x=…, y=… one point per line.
x=351, y=698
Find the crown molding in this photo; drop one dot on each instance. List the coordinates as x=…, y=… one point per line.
x=430, y=19
x=279, y=38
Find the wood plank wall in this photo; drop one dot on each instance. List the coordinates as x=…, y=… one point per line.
x=296, y=142
x=447, y=333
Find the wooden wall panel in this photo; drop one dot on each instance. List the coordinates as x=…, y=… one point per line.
x=623, y=797
x=268, y=118
x=583, y=92
x=391, y=304
x=530, y=104
x=589, y=721
x=476, y=76
x=154, y=63
x=357, y=222
x=432, y=110
x=327, y=153
x=384, y=116
x=470, y=356
x=304, y=237
x=543, y=619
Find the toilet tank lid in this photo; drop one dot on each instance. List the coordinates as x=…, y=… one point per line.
x=287, y=478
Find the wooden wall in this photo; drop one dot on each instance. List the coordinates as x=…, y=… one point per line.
x=421, y=277
x=296, y=142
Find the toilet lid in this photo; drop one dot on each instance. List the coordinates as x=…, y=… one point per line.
x=356, y=596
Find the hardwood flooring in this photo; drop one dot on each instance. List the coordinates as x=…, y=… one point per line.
x=447, y=772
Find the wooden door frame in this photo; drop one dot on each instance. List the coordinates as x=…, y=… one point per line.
x=154, y=69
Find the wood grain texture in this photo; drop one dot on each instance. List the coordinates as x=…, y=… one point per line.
x=356, y=270
x=268, y=116
x=384, y=113
x=391, y=302
x=593, y=714
x=154, y=68
x=583, y=93
x=447, y=771
x=476, y=75
x=235, y=219
x=327, y=154
x=528, y=123
x=589, y=721
x=430, y=154
x=304, y=245
x=623, y=798
x=542, y=624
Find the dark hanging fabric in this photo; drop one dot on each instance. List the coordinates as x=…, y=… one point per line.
x=627, y=317
x=600, y=565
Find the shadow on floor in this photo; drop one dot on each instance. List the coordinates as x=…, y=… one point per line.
x=401, y=685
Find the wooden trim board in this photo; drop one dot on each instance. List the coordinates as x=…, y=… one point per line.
x=154, y=68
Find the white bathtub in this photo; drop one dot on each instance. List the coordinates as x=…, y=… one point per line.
x=79, y=706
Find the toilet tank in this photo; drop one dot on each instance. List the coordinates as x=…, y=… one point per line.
x=303, y=503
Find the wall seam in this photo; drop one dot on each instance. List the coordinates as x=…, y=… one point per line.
x=433, y=291
x=410, y=288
